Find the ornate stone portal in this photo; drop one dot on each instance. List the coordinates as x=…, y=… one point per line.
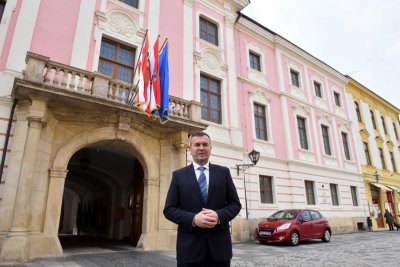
x=54, y=121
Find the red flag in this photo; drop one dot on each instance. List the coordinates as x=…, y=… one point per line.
x=144, y=76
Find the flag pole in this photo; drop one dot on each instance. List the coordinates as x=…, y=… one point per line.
x=165, y=41
x=134, y=72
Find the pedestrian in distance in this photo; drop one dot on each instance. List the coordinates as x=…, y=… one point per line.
x=369, y=223
x=202, y=200
x=389, y=219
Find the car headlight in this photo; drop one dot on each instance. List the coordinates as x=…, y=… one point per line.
x=284, y=226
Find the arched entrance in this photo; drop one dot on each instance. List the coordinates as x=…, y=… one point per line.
x=103, y=195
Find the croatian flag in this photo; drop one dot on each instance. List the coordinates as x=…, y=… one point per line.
x=143, y=76
x=153, y=89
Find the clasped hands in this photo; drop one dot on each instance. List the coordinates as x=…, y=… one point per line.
x=206, y=218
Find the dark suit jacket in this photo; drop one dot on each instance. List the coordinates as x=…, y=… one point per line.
x=184, y=201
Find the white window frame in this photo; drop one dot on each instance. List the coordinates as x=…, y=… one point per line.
x=259, y=77
x=259, y=96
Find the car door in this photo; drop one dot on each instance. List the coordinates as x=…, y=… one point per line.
x=317, y=224
x=305, y=225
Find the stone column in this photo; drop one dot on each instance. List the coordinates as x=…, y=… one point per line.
x=148, y=239
x=16, y=245
x=54, y=202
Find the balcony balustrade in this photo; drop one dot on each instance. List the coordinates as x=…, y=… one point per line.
x=49, y=74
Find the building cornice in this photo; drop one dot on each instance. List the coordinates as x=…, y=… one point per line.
x=247, y=27
x=361, y=92
x=296, y=51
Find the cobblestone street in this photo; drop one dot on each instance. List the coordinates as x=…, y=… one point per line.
x=358, y=249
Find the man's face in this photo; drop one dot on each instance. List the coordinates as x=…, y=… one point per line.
x=200, y=148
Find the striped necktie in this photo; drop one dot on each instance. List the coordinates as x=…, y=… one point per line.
x=203, y=184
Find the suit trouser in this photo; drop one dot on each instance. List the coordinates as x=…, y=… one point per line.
x=208, y=262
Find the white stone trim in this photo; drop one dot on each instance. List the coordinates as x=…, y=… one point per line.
x=153, y=21
x=255, y=75
x=294, y=90
x=188, y=56
x=120, y=25
x=81, y=46
x=210, y=63
x=233, y=94
x=303, y=111
x=220, y=29
x=22, y=38
x=264, y=146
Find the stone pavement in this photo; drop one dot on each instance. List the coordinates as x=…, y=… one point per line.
x=358, y=249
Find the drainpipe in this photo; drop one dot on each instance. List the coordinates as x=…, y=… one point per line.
x=3, y=158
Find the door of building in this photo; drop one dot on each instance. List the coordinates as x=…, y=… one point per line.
x=137, y=204
x=376, y=205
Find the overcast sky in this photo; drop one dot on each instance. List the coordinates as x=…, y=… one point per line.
x=360, y=38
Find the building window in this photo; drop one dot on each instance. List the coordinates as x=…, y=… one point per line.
x=309, y=185
x=393, y=161
x=325, y=138
x=382, y=158
x=358, y=112
x=116, y=60
x=2, y=6
x=317, y=88
x=266, y=189
x=367, y=155
x=208, y=31
x=346, y=147
x=395, y=131
x=337, y=98
x=260, y=121
x=373, y=119
x=294, y=76
x=255, y=62
x=134, y=3
x=210, y=99
x=353, y=191
x=334, y=194
x=384, y=125
x=301, y=126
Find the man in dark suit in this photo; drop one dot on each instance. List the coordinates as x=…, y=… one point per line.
x=202, y=200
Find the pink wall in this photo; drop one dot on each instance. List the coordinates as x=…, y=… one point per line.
x=268, y=59
x=55, y=40
x=172, y=27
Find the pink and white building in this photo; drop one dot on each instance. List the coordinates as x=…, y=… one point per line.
x=78, y=161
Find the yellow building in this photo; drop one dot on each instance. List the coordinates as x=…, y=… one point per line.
x=378, y=150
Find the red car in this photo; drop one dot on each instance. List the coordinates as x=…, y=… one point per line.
x=293, y=226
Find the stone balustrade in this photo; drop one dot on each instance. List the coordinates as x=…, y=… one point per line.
x=41, y=69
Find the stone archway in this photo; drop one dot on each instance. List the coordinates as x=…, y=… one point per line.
x=58, y=174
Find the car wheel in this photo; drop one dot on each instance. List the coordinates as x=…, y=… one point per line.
x=326, y=236
x=294, y=238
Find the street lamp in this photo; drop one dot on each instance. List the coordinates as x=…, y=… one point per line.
x=377, y=176
x=254, y=157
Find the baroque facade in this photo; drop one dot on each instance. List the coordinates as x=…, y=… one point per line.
x=377, y=122
x=78, y=160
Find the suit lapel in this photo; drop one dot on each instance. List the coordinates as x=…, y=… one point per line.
x=193, y=181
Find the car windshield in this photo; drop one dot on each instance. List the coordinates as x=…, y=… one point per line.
x=284, y=215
